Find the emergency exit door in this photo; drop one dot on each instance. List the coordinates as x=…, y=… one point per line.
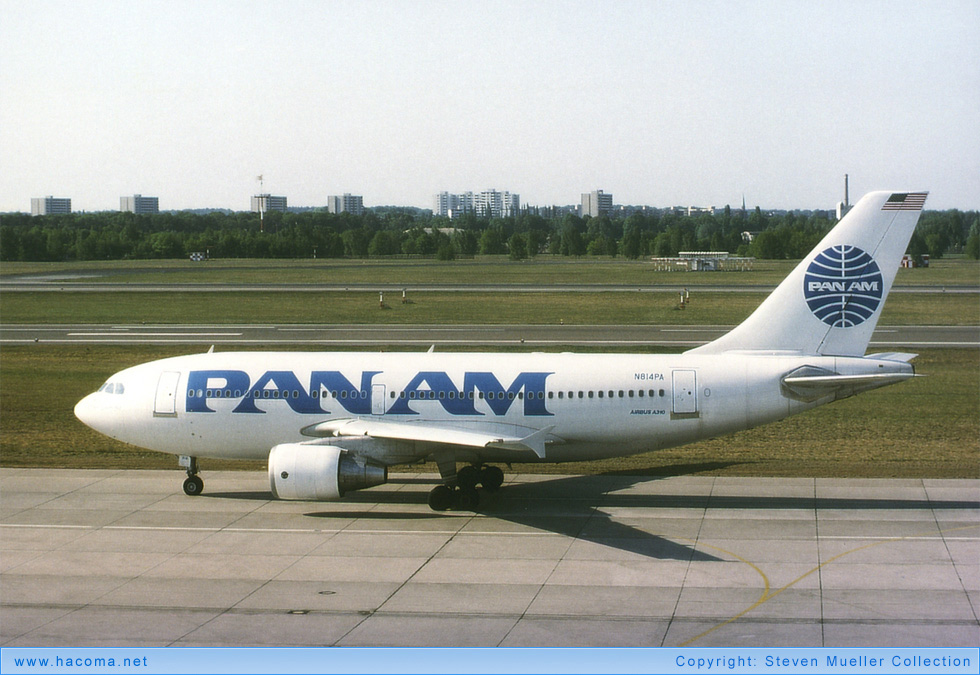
x=165, y=402
x=377, y=399
x=685, y=394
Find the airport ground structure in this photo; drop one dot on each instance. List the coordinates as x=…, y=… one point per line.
x=123, y=558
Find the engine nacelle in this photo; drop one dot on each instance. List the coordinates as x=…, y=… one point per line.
x=320, y=472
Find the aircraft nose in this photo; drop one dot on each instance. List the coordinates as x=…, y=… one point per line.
x=88, y=411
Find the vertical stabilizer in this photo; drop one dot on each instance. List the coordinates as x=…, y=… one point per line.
x=830, y=303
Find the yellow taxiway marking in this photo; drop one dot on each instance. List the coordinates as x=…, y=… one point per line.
x=767, y=595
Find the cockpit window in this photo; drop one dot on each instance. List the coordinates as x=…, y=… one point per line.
x=112, y=388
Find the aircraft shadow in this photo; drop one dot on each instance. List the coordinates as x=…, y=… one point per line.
x=574, y=506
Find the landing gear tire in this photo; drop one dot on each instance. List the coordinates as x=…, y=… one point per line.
x=468, y=477
x=441, y=498
x=444, y=498
x=491, y=477
x=193, y=486
x=467, y=499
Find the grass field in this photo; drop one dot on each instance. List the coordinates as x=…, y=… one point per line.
x=396, y=272
x=705, y=308
x=927, y=427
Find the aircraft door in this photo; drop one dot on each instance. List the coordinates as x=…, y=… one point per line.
x=377, y=399
x=685, y=394
x=165, y=402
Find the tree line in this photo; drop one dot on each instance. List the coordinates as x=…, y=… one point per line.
x=112, y=235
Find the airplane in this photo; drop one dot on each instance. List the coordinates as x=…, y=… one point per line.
x=329, y=423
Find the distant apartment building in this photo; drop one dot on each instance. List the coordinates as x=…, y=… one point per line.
x=489, y=203
x=346, y=203
x=265, y=203
x=451, y=204
x=139, y=204
x=445, y=204
x=596, y=203
x=49, y=206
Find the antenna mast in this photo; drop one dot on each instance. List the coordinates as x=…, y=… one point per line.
x=261, y=204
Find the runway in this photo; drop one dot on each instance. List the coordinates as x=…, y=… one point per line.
x=339, y=336
x=124, y=558
x=81, y=283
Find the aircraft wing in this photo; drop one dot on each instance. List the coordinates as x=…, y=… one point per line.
x=515, y=438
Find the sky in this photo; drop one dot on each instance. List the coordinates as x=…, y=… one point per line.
x=695, y=102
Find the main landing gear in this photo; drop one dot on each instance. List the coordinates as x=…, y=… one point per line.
x=459, y=491
x=193, y=486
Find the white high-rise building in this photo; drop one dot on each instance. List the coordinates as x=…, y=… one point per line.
x=489, y=203
x=346, y=203
x=596, y=203
x=48, y=206
x=139, y=204
x=266, y=202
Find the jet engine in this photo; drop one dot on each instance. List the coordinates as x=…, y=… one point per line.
x=320, y=472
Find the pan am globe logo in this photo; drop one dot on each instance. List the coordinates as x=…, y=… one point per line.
x=843, y=286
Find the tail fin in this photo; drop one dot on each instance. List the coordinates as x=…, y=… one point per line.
x=830, y=304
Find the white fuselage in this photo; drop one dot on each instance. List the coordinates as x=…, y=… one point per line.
x=239, y=405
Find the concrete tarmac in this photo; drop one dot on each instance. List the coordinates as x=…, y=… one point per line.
x=124, y=558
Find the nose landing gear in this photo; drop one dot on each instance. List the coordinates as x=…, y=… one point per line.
x=193, y=485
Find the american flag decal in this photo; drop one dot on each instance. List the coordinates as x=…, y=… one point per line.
x=905, y=201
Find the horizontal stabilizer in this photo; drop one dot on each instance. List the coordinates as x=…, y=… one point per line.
x=893, y=356
x=835, y=381
x=809, y=383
